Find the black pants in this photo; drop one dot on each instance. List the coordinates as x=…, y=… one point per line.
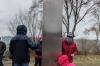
x=1, y=63
x=37, y=61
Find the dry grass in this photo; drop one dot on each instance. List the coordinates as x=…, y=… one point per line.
x=8, y=62
x=89, y=60
x=80, y=60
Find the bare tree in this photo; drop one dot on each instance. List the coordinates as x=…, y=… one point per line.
x=23, y=19
x=95, y=28
x=32, y=19
x=37, y=11
x=75, y=11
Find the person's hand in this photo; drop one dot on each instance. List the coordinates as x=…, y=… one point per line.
x=72, y=54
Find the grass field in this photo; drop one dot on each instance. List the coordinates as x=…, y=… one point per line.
x=7, y=62
x=80, y=60
x=89, y=60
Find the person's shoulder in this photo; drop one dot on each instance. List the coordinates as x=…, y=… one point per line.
x=19, y=37
x=13, y=38
x=2, y=43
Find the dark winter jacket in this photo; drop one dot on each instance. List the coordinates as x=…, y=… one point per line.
x=19, y=46
x=2, y=49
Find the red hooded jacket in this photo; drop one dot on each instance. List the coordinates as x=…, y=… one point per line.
x=68, y=49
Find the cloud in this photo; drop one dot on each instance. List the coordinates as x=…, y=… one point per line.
x=9, y=8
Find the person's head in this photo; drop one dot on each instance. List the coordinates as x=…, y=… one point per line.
x=70, y=37
x=2, y=43
x=22, y=29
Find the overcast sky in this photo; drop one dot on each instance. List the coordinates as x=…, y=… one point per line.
x=8, y=8
x=88, y=22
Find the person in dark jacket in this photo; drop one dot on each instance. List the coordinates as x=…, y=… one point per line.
x=2, y=49
x=69, y=47
x=38, y=53
x=19, y=47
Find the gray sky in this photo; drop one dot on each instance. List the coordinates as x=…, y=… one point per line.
x=8, y=8
x=88, y=22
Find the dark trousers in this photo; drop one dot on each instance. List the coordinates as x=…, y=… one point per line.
x=37, y=61
x=1, y=63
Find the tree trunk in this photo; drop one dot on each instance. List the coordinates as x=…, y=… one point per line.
x=52, y=28
x=97, y=48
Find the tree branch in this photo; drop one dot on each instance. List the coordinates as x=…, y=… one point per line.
x=85, y=13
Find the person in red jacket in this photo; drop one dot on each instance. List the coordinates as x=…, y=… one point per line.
x=69, y=47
